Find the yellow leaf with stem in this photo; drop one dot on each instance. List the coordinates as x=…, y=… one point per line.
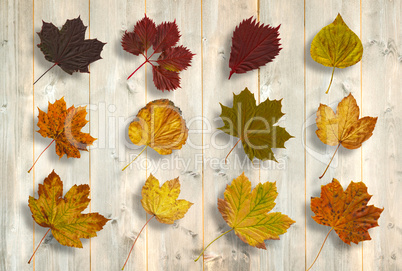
x=336, y=46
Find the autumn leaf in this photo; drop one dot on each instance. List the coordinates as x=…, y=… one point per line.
x=253, y=45
x=346, y=212
x=336, y=46
x=161, y=202
x=63, y=215
x=68, y=47
x=246, y=212
x=160, y=126
x=162, y=38
x=343, y=128
x=255, y=125
x=64, y=126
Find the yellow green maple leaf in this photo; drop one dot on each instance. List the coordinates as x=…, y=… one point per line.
x=246, y=211
x=63, y=215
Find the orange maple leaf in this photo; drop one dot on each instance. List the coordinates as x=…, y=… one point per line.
x=343, y=128
x=346, y=212
x=64, y=126
x=63, y=215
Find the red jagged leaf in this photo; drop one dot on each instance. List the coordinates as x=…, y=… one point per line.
x=167, y=35
x=164, y=79
x=162, y=38
x=253, y=45
x=139, y=41
x=68, y=47
x=175, y=59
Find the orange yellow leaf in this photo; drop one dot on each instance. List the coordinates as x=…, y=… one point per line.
x=344, y=127
x=64, y=126
x=159, y=126
x=63, y=215
x=162, y=201
x=346, y=211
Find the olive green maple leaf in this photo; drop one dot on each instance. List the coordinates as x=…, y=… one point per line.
x=255, y=125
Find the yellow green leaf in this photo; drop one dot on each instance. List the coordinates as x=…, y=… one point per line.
x=336, y=46
x=63, y=215
x=247, y=212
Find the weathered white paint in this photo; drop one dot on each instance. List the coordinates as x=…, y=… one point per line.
x=206, y=27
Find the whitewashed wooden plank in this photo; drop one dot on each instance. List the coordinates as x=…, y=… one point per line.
x=382, y=153
x=16, y=133
x=115, y=102
x=219, y=21
x=74, y=88
x=174, y=247
x=346, y=165
x=284, y=79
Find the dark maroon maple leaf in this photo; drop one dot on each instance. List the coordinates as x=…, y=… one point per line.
x=68, y=47
x=165, y=69
x=253, y=45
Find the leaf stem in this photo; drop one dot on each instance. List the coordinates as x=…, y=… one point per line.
x=38, y=246
x=320, y=249
x=211, y=243
x=135, y=158
x=136, y=240
x=232, y=150
x=40, y=155
x=330, y=161
x=332, y=77
x=45, y=73
x=137, y=69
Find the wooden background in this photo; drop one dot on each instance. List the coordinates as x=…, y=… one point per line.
x=206, y=27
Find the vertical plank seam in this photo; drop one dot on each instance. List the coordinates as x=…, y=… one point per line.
x=146, y=159
x=202, y=134
x=89, y=119
x=259, y=98
x=305, y=141
x=33, y=121
x=361, y=109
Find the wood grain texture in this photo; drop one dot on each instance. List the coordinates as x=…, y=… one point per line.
x=112, y=101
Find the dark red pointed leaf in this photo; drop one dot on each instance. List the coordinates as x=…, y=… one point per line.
x=167, y=35
x=253, y=45
x=175, y=59
x=164, y=79
x=68, y=47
